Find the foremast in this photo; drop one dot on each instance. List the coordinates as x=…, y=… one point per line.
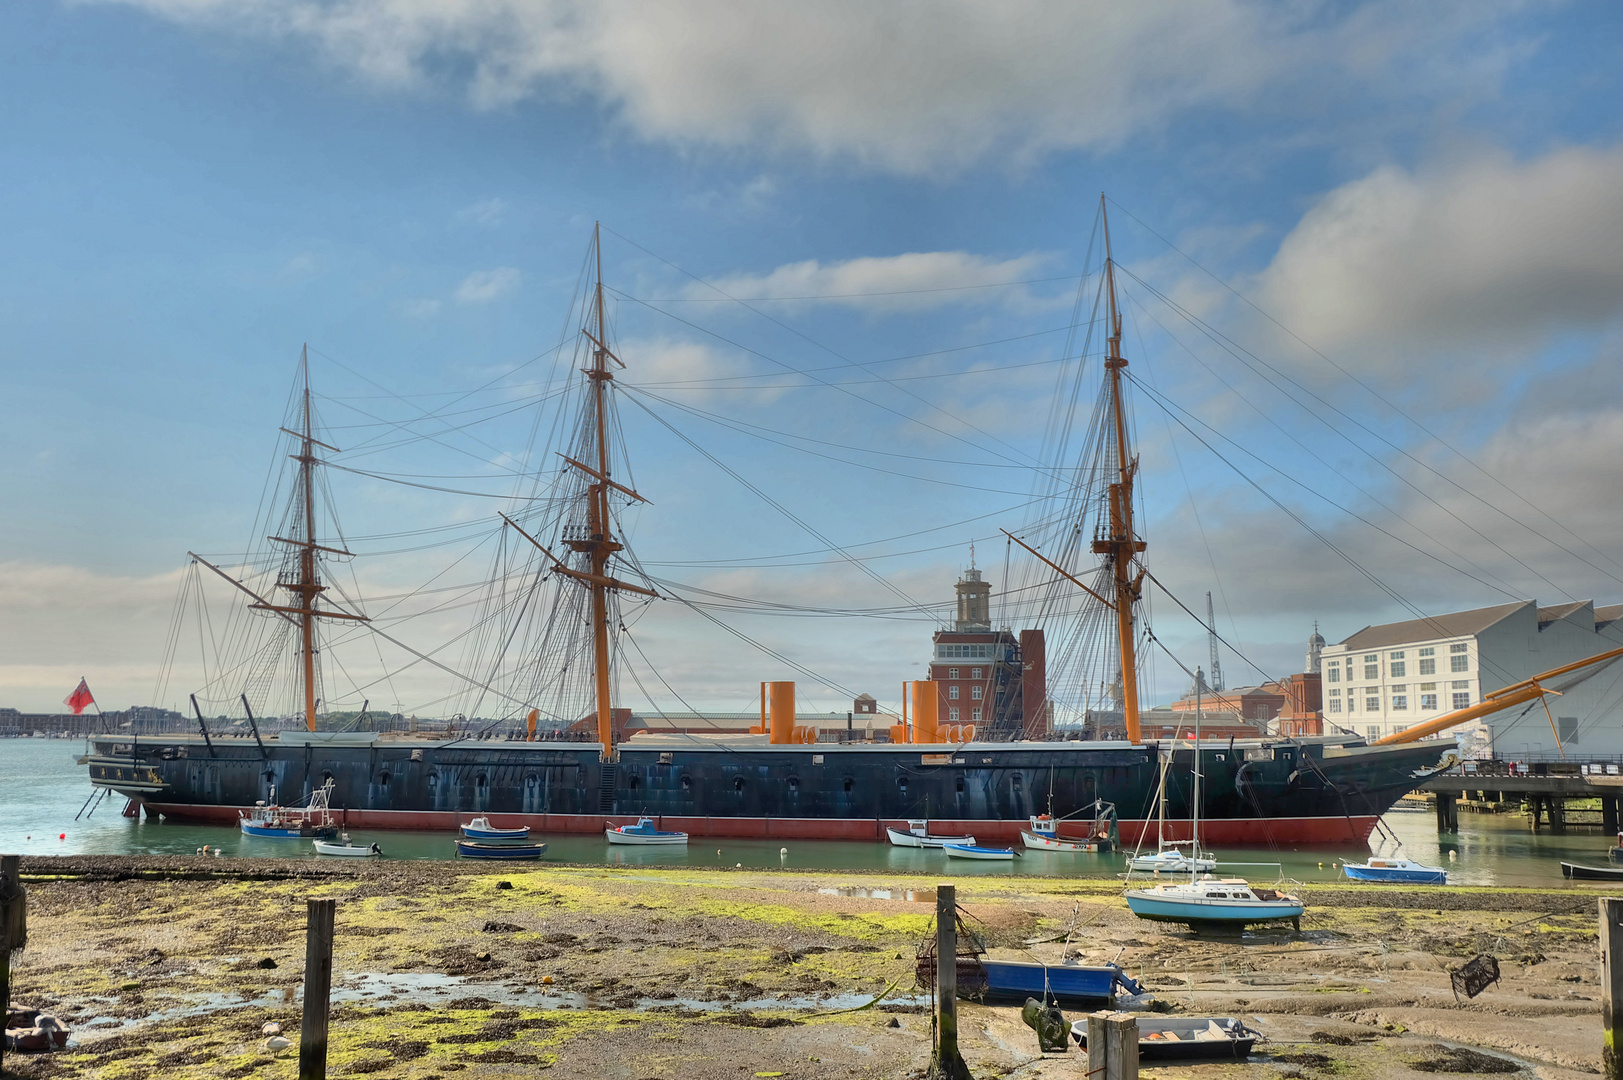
x=1120, y=546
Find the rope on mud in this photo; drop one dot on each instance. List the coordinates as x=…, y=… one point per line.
x=883, y=994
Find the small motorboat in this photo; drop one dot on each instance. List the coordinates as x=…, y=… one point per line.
x=1211, y=901
x=347, y=849
x=918, y=835
x=1401, y=871
x=32, y=1030
x=644, y=832
x=1069, y=983
x=1169, y=860
x=1580, y=872
x=1043, y=835
x=291, y=822
x=970, y=851
x=480, y=828
x=1186, y=1038
x=473, y=849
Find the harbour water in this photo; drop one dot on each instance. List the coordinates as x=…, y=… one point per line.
x=42, y=790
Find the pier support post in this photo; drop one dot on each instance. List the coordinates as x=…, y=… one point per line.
x=946, y=1063
x=1448, y=813
x=1535, y=804
x=1611, y=986
x=317, y=989
x=1608, y=815
x=1558, y=813
x=13, y=927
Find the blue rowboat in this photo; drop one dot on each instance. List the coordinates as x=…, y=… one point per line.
x=1021, y=979
x=470, y=849
x=969, y=851
x=1213, y=902
x=481, y=829
x=1401, y=871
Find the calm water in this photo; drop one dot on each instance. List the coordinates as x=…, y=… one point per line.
x=41, y=789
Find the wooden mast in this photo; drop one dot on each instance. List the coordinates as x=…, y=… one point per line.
x=1120, y=546
x=599, y=543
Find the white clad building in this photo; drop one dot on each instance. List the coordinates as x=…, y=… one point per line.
x=1386, y=678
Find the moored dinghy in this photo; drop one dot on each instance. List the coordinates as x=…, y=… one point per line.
x=918, y=835
x=970, y=851
x=347, y=849
x=473, y=849
x=644, y=833
x=480, y=828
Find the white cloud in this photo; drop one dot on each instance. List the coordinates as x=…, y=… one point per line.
x=1486, y=254
x=421, y=308
x=909, y=85
x=914, y=281
x=484, y=286
x=690, y=370
x=483, y=212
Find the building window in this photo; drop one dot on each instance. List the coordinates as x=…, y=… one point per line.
x=1335, y=705
x=974, y=673
x=1460, y=684
x=1459, y=662
x=1428, y=651
x=952, y=713
x=1372, y=666
x=1395, y=656
x=1428, y=701
x=1352, y=702
x=952, y=693
x=1373, y=731
x=976, y=692
x=975, y=714
x=1400, y=702
x=1462, y=701
x=952, y=673
x=1398, y=668
x=1372, y=704
x=1333, y=673
x=1335, y=693
x=1567, y=727
x=1428, y=666
x=1458, y=648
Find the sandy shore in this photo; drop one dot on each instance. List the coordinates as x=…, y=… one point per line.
x=168, y=967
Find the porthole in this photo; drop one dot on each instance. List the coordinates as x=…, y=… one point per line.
x=479, y=780
x=901, y=784
x=738, y=783
x=1019, y=781
x=634, y=782
x=326, y=778
x=849, y=784
x=383, y=779
x=958, y=783
x=531, y=780
x=687, y=783
x=433, y=780
x=794, y=784
x=270, y=776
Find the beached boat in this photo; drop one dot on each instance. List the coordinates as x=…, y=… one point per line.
x=1402, y=871
x=345, y=849
x=480, y=828
x=644, y=832
x=1069, y=983
x=1580, y=872
x=1187, y=1038
x=1212, y=901
x=970, y=851
x=291, y=822
x=918, y=835
x=473, y=849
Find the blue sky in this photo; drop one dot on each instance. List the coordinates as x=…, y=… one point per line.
x=1431, y=199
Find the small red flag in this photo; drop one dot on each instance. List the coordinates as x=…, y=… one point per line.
x=80, y=699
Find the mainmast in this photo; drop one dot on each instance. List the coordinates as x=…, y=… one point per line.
x=1120, y=545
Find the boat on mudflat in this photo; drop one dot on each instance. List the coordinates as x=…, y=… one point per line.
x=1187, y=1038
x=1068, y=983
x=1212, y=901
x=1580, y=872
x=1401, y=871
x=472, y=849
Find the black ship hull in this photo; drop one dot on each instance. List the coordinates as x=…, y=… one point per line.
x=1312, y=791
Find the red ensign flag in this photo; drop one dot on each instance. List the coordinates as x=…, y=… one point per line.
x=80, y=699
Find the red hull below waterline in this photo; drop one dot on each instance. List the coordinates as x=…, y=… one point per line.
x=1235, y=832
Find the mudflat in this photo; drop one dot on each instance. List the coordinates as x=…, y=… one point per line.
x=170, y=967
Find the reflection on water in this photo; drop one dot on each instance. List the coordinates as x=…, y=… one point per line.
x=920, y=896
x=41, y=789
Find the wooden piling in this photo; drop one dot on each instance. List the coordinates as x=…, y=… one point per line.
x=13, y=928
x=946, y=1063
x=1121, y=1046
x=1611, y=986
x=318, y=937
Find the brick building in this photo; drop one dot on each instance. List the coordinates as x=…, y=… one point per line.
x=990, y=678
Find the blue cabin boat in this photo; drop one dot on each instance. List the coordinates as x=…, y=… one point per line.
x=1020, y=979
x=472, y=849
x=1397, y=871
x=480, y=828
x=313, y=821
x=1214, y=902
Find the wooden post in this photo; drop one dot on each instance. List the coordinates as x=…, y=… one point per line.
x=317, y=989
x=1121, y=1047
x=1611, y=986
x=1098, y=1045
x=945, y=1061
x=13, y=927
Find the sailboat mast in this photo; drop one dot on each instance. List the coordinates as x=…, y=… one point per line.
x=602, y=544
x=1120, y=546
x=308, y=586
x=1194, y=810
